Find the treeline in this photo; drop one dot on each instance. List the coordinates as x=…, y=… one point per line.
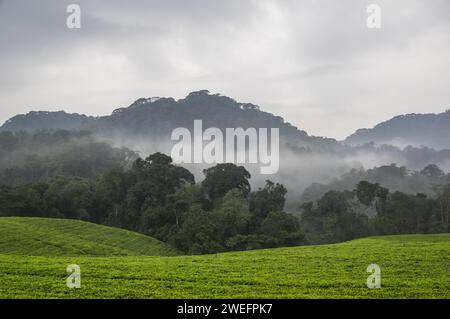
x=160, y=199
x=29, y=157
x=393, y=177
x=339, y=215
x=155, y=197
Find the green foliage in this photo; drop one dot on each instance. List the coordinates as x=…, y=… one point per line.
x=271, y=198
x=333, y=219
x=64, y=237
x=159, y=199
x=372, y=194
x=280, y=229
x=232, y=226
x=197, y=233
x=232, y=217
x=392, y=177
x=412, y=266
x=222, y=178
x=443, y=203
x=137, y=198
x=27, y=157
x=339, y=216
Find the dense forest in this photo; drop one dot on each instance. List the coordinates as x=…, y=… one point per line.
x=158, y=198
x=408, y=129
x=81, y=178
x=339, y=215
x=393, y=177
x=28, y=157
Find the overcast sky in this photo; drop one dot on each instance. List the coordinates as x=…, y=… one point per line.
x=313, y=62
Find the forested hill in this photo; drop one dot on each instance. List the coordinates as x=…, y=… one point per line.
x=146, y=126
x=157, y=117
x=43, y=120
x=431, y=130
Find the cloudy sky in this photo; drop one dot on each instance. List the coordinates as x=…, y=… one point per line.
x=314, y=62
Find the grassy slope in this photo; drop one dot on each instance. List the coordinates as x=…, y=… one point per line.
x=63, y=237
x=415, y=266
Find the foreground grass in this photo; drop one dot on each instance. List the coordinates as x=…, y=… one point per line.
x=66, y=237
x=415, y=266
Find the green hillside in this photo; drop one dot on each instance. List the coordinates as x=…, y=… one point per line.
x=65, y=237
x=413, y=266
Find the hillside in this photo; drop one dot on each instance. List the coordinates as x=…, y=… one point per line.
x=156, y=118
x=412, y=266
x=39, y=120
x=431, y=130
x=146, y=125
x=64, y=237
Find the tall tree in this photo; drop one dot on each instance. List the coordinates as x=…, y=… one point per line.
x=222, y=178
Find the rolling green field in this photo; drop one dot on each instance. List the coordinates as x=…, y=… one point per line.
x=66, y=237
x=412, y=266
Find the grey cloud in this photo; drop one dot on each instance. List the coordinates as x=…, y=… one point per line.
x=313, y=62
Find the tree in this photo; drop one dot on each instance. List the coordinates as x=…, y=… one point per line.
x=160, y=176
x=164, y=221
x=333, y=219
x=267, y=199
x=197, y=234
x=367, y=192
x=281, y=229
x=232, y=217
x=222, y=178
x=442, y=194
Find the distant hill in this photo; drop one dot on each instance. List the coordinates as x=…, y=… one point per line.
x=157, y=117
x=65, y=237
x=431, y=130
x=39, y=120
x=146, y=125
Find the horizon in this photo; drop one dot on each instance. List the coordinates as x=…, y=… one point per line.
x=214, y=93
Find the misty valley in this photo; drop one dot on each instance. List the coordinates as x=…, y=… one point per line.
x=121, y=175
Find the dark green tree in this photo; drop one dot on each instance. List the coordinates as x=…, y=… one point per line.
x=271, y=198
x=222, y=178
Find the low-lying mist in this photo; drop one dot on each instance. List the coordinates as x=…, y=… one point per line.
x=300, y=169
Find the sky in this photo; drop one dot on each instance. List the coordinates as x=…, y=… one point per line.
x=313, y=62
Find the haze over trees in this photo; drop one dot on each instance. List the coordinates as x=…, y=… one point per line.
x=28, y=157
x=339, y=216
x=76, y=174
x=155, y=118
x=431, y=130
x=160, y=199
x=146, y=126
x=393, y=177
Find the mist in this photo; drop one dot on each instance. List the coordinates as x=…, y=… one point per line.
x=299, y=170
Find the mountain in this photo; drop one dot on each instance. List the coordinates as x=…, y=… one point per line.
x=146, y=126
x=157, y=117
x=431, y=130
x=35, y=121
